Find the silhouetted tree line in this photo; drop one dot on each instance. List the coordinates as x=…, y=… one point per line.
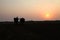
x=16, y=20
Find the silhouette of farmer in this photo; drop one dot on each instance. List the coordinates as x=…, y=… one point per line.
x=22, y=20
x=16, y=20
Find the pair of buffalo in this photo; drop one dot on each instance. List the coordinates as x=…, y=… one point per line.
x=16, y=20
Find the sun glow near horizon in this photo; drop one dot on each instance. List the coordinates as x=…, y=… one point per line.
x=48, y=16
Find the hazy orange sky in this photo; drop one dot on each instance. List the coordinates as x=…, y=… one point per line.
x=30, y=9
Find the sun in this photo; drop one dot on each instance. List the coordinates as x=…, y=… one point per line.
x=47, y=15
